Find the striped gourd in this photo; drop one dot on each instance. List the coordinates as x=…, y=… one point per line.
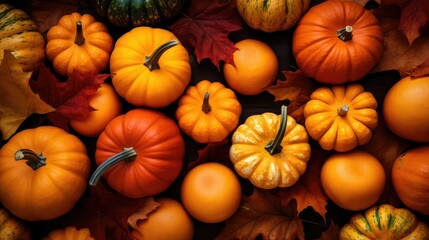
x=271, y=15
x=385, y=222
x=20, y=36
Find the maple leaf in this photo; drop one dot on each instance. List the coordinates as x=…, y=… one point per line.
x=106, y=213
x=262, y=214
x=205, y=27
x=70, y=98
x=17, y=100
x=307, y=192
x=297, y=88
x=331, y=233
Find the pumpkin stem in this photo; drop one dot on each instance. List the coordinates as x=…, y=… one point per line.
x=151, y=61
x=206, y=108
x=35, y=160
x=274, y=146
x=79, y=39
x=345, y=34
x=342, y=111
x=128, y=154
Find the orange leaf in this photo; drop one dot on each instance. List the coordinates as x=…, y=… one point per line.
x=149, y=205
x=262, y=214
x=308, y=190
x=297, y=88
x=414, y=17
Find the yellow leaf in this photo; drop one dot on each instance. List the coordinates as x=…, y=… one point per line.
x=17, y=100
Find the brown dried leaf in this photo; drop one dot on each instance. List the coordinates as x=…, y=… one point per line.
x=47, y=13
x=331, y=233
x=149, y=205
x=262, y=214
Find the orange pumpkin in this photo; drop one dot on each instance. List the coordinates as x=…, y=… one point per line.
x=337, y=42
x=208, y=112
x=140, y=153
x=43, y=173
x=150, y=67
x=79, y=43
x=69, y=233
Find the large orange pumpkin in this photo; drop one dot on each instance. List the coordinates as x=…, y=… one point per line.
x=140, y=153
x=43, y=173
x=337, y=42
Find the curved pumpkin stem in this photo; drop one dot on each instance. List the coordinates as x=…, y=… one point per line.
x=342, y=111
x=128, y=154
x=79, y=39
x=206, y=108
x=345, y=34
x=34, y=160
x=151, y=61
x=274, y=146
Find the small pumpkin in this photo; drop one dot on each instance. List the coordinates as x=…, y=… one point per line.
x=139, y=153
x=135, y=13
x=384, y=222
x=270, y=150
x=19, y=34
x=271, y=16
x=150, y=67
x=69, y=233
x=208, y=112
x=79, y=43
x=337, y=42
x=43, y=173
x=410, y=174
x=12, y=228
x=341, y=117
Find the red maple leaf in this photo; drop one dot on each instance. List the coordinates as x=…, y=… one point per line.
x=205, y=27
x=70, y=98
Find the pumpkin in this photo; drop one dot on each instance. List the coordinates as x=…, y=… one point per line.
x=20, y=36
x=410, y=174
x=69, y=233
x=271, y=16
x=135, y=13
x=341, y=117
x=139, y=153
x=208, y=112
x=12, y=228
x=43, y=173
x=337, y=42
x=384, y=222
x=79, y=43
x=270, y=150
x=150, y=67
x=406, y=102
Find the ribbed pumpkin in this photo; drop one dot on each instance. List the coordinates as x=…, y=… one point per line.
x=138, y=12
x=79, y=43
x=270, y=150
x=43, y=173
x=69, y=233
x=337, y=42
x=385, y=222
x=150, y=67
x=12, y=228
x=271, y=16
x=139, y=153
x=19, y=35
x=341, y=117
x=208, y=112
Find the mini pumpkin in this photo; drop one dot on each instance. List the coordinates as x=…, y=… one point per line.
x=384, y=222
x=79, y=43
x=139, y=153
x=69, y=233
x=208, y=112
x=150, y=67
x=270, y=150
x=337, y=41
x=43, y=173
x=341, y=117
x=19, y=34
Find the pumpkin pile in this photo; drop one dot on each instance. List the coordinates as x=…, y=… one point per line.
x=157, y=110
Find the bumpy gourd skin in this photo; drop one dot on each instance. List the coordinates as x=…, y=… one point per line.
x=385, y=222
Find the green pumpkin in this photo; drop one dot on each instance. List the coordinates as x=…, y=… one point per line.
x=133, y=13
